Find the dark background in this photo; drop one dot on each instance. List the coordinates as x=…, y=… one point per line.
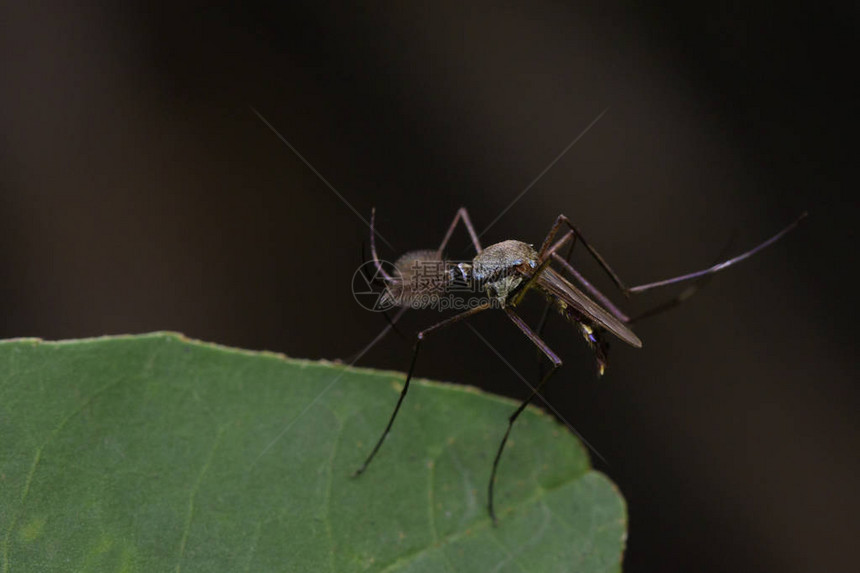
x=139, y=192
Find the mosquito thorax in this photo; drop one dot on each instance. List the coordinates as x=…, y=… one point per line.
x=501, y=257
x=501, y=268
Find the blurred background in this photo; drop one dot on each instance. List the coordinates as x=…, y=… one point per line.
x=140, y=192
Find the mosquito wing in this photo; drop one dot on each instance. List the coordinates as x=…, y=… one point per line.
x=556, y=285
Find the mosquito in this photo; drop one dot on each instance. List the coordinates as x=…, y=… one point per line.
x=506, y=272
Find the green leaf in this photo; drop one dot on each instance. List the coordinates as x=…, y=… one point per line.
x=155, y=453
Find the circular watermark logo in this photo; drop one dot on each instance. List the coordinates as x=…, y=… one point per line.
x=371, y=290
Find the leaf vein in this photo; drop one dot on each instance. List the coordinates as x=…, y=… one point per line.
x=484, y=523
x=38, y=457
x=193, y=494
x=327, y=514
x=531, y=541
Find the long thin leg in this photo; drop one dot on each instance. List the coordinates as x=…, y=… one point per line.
x=556, y=364
x=550, y=254
x=376, y=262
x=601, y=298
x=365, y=273
x=563, y=220
x=392, y=322
x=608, y=305
x=675, y=301
x=419, y=337
x=462, y=214
x=685, y=294
x=723, y=265
x=391, y=326
x=545, y=314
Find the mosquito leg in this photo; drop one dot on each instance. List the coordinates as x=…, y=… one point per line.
x=563, y=220
x=376, y=262
x=365, y=272
x=462, y=214
x=546, y=250
x=723, y=265
x=391, y=322
x=545, y=314
x=601, y=298
x=687, y=293
x=419, y=337
x=556, y=364
x=548, y=305
x=382, y=334
x=551, y=254
x=388, y=279
x=672, y=303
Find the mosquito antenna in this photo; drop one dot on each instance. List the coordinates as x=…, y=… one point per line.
x=723, y=265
